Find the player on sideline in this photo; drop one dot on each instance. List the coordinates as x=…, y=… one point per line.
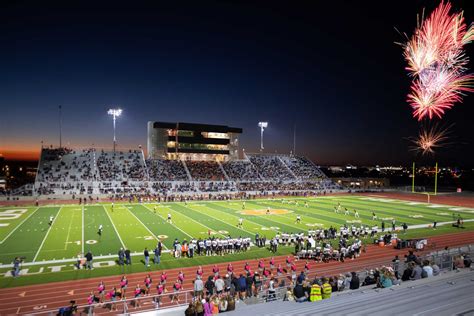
x=240, y=222
x=112, y=207
x=99, y=232
x=243, y=205
x=346, y=211
x=51, y=218
x=374, y=217
x=169, y=219
x=298, y=219
x=356, y=214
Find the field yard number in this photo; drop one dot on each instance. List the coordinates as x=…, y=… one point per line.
x=12, y=214
x=224, y=232
x=162, y=236
x=91, y=242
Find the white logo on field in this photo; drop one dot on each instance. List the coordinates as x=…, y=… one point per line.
x=162, y=236
x=275, y=227
x=91, y=241
x=354, y=221
x=443, y=214
x=223, y=232
x=415, y=216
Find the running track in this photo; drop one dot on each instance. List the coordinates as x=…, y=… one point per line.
x=51, y=296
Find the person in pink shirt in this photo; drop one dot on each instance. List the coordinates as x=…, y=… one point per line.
x=279, y=270
x=247, y=267
x=261, y=265
x=288, y=262
x=293, y=272
x=176, y=288
x=101, y=291
x=207, y=307
x=199, y=272
x=148, y=282
x=137, y=293
x=123, y=286
x=272, y=263
x=163, y=278
x=306, y=267
x=215, y=270
x=91, y=302
x=160, y=290
x=230, y=269
x=181, y=277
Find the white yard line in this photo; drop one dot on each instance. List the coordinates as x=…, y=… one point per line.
x=251, y=233
x=47, y=233
x=170, y=224
x=14, y=229
x=146, y=227
x=82, y=240
x=115, y=228
x=197, y=221
x=69, y=230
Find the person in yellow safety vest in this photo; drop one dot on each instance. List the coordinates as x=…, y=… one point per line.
x=315, y=293
x=327, y=289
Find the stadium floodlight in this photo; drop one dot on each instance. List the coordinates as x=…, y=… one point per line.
x=262, y=126
x=115, y=113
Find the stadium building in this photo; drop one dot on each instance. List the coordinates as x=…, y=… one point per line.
x=189, y=141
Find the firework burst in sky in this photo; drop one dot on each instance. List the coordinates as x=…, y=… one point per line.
x=437, y=61
x=429, y=139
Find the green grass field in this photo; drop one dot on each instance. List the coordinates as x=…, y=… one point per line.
x=135, y=226
x=25, y=230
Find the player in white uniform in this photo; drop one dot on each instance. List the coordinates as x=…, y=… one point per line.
x=240, y=222
x=298, y=219
x=51, y=220
x=169, y=219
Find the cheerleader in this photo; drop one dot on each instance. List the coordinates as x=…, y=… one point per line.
x=230, y=269
x=279, y=270
x=101, y=291
x=163, y=278
x=215, y=270
x=181, y=277
x=137, y=293
x=123, y=286
x=306, y=267
x=272, y=263
x=199, y=273
x=148, y=284
x=247, y=267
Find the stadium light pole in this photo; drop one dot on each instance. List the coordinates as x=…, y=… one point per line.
x=115, y=113
x=262, y=126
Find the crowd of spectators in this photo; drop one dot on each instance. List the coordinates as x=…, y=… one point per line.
x=68, y=172
x=270, y=167
x=241, y=170
x=205, y=171
x=302, y=167
x=166, y=170
x=121, y=166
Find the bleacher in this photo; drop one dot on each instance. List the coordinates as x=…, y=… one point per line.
x=67, y=172
x=446, y=294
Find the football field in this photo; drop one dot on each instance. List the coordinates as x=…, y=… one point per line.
x=25, y=231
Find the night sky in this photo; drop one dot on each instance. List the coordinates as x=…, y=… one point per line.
x=330, y=67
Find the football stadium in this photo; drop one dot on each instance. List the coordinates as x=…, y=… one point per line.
x=220, y=212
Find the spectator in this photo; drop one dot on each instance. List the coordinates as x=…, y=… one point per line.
x=146, y=254
x=427, y=269
x=198, y=288
x=299, y=293
x=354, y=284
x=417, y=271
x=89, y=258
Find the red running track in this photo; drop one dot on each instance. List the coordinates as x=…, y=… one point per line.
x=52, y=296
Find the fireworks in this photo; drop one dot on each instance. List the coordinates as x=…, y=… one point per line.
x=437, y=61
x=429, y=139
